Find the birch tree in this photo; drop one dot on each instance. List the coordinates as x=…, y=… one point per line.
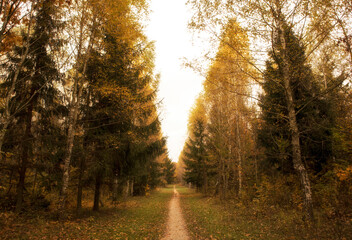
x=226, y=88
x=86, y=23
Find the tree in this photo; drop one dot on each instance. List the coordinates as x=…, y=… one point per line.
x=87, y=15
x=8, y=88
x=116, y=19
x=169, y=171
x=327, y=16
x=289, y=79
x=269, y=24
x=11, y=12
x=85, y=91
x=38, y=74
x=195, y=156
x=226, y=87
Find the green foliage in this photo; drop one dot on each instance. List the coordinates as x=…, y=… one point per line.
x=118, y=136
x=313, y=112
x=35, y=105
x=195, y=158
x=169, y=171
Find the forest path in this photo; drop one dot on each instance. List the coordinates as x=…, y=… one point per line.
x=176, y=227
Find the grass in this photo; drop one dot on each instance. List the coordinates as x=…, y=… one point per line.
x=137, y=218
x=207, y=218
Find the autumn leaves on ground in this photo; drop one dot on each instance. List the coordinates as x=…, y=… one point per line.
x=133, y=218
x=148, y=218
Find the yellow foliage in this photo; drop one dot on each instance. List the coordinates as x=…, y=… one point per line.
x=147, y=190
x=344, y=174
x=197, y=114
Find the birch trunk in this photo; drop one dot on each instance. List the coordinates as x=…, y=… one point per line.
x=126, y=189
x=131, y=188
x=69, y=146
x=73, y=115
x=295, y=138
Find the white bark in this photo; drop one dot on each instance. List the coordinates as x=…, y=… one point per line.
x=295, y=138
x=75, y=103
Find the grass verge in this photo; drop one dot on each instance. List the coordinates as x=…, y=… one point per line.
x=207, y=218
x=137, y=218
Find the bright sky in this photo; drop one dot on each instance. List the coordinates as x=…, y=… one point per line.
x=179, y=86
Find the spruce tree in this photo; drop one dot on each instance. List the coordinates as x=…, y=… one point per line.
x=292, y=111
x=195, y=156
x=313, y=112
x=169, y=171
x=35, y=91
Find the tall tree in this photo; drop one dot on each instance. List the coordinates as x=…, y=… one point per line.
x=226, y=89
x=14, y=67
x=38, y=77
x=87, y=22
x=289, y=79
x=276, y=18
x=169, y=171
x=195, y=156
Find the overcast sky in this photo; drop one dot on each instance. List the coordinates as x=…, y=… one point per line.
x=179, y=86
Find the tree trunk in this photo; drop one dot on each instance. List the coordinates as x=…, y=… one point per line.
x=80, y=185
x=256, y=168
x=205, y=180
x=295, y=138
x=35, y=182
x=115, y=187
x=126, y=189
x=10, y=183
x=73, y=115
x=67, y=160
x=24, y=156
x=131, y=187
x=98, y=180
x=239, y=156
x=223, y=180
x=6, y=117
x=20, y=188
x=5, y=124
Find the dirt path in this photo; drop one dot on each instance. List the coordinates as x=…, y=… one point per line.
x=176, y=227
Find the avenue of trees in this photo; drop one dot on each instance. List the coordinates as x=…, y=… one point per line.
x=78, y=110
x=272, y=127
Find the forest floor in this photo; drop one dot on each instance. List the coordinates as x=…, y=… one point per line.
x=208, y=218
x=135, y=218
x=176, y=227
x=169, y=213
